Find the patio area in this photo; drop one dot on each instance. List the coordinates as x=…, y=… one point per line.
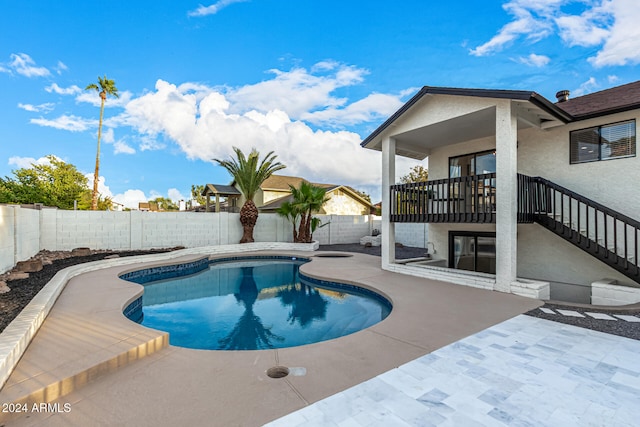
x=411, y=369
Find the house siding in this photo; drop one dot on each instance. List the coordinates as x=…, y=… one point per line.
x=268, y=196
x=545, y=153
x=609, y=182
x=341, y=204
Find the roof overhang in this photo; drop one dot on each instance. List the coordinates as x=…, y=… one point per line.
x=531, y=109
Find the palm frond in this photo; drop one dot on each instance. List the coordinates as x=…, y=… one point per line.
x=248, y=172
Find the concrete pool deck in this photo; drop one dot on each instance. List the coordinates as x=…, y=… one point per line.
x=114, y=372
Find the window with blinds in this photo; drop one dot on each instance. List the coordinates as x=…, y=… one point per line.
x=603, y=142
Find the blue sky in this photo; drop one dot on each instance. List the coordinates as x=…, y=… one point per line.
x=306, y=79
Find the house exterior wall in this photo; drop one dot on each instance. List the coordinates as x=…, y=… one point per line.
x=439, y=235
x=439, y=158
x=269, y=195
x=545, y=153
x=544, y=256
x=612, y=182
x=342, y=204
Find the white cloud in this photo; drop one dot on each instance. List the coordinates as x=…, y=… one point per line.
x=297, y=91
x=92, y=97
x=44, y=108
x=206, y=127
x=175, y=195
x=587, y=29
x=150, y=143
x=130, y=198
x=108, y=136
x=611, y=24
x=27, y=162
x=622, y=45
x=71, y=90
x=612, y=79
x=531, y=19
x=24, y=65
x=61, y=67
x=534, y=60
x=103, y=188
x=586, y=87
x=121, y=147
x=214, y=8
x=66, y=122
x=374, y=106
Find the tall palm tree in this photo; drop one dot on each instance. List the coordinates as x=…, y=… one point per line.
x=104, y=87
x=249, y=173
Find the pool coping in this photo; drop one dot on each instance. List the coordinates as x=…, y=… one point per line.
x=15, y=338
x=411, y=330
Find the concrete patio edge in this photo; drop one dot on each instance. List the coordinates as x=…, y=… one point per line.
x=16, y=337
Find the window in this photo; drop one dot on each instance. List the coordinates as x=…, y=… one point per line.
x=603, y=142
x=472, y=164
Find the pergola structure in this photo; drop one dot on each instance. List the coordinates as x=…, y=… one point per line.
x=218, y=190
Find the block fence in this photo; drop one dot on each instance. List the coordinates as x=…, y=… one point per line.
x=25, y=231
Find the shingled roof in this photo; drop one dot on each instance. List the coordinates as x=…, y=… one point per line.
x=609, y=101
x=281, y=182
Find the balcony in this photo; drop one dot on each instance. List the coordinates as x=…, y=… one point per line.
x=467, y=199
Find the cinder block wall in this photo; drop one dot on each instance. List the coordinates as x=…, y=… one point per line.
x=24, y=232
x=19, y=235
x=7, y=247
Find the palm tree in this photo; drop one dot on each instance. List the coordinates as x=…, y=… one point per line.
x=104, y=87
x=306, y=200
x=249, y=174
x=290, y=211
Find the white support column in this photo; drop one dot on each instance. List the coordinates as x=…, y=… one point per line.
x=506, y=196
x=388, y=178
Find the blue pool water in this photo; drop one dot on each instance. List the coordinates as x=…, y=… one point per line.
x=252, y=304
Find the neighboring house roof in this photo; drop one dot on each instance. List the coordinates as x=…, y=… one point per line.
x=282, y=182
x=609, y=101
x=276, y=203
x=222, y=190
x=614, y=100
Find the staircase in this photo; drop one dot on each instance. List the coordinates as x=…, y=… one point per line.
x=608, y=235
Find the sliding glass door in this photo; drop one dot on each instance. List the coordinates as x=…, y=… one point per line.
x=472, y=251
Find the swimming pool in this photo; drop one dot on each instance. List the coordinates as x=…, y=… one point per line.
x=251, y=303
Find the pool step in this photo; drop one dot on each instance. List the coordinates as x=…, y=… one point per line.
x=74, y=372
x=85, y=336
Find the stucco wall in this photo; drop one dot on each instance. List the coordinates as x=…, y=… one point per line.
x=544, y=256
x=268, y=196
x=439, y=236
x=545, y=153
x=612, y=183
x=413, y=234
x=341, y=204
